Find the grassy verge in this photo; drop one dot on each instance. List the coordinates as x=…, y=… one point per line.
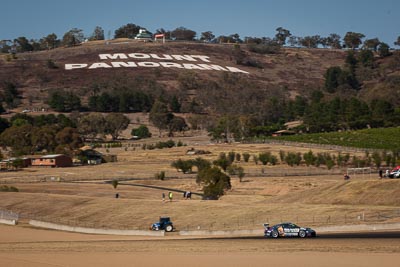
x=381, y=138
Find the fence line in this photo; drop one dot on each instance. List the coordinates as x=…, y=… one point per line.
x=8, y=215
x=239, y=223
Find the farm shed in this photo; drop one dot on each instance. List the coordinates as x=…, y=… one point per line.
x=57, y=160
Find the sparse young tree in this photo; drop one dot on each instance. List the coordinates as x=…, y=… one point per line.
x=98, y=34
x=281, y=35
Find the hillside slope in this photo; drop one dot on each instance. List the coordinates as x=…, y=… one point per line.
x=291, y=70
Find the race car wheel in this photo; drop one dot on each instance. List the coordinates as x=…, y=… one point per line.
x=168, y=228
x=302, y=233
x=274, y=234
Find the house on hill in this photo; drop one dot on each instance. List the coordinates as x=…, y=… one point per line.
x=56, y=160
x=144, y=35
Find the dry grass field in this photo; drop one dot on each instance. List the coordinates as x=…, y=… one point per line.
x=80, y=196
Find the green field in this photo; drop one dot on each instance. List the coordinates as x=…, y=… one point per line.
x=380, y=138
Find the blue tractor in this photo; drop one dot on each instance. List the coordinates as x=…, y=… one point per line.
x=164, y=224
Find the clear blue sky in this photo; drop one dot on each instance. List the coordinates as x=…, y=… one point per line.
x=257, y=18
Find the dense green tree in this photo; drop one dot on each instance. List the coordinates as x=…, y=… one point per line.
x=4, y=124
x=222, y=161
x=177, y=124
x=129, y=30
x=115, y=123
x=183, y=34
x=332, y=78
x=175, y=105
x=372, y=44
x=141, y=132
x=353, y=39
x=384, y=50
x=160, y=116
x=68, y=140
x=183, y=165
x=366, y=58
x=23, y=44
x=11, y=94
x=18, y=138
x=91, y=125
x=214, y=182
x=63, y=101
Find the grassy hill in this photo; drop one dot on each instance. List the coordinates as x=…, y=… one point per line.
x=290, y=71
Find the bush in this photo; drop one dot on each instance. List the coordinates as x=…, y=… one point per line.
x=184, y=165
x=5, y=188
x=160, y=175
x=141, y=132
x=246, y=157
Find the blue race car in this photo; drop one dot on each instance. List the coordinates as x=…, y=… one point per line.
x=288, y=230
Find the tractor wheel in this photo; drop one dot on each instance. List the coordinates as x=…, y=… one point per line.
x=168, y=228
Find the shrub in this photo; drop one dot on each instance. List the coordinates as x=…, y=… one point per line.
x=160, y=175
x=184, y=165
x=114, y=183
x=5, y=188
x=246, y=157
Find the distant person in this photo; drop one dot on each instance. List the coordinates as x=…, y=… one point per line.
x=170, y=196
x=380, y=174
x=163, y=196
x=346, y=176
x=387, y=174
x=116, y=195
x=189, y=195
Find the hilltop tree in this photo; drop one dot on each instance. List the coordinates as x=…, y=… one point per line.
x=333, y=40
x=129, y=30
x=384, y=50
x=281, y=35
x=372, y=44
x=23, y=44
x=353, y=39
x=50, y=41
x=98, y=34
x=183, y=34
x=207, y=36
x=397, y=42
x=73, y=37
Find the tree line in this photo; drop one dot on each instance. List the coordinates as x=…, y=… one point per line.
x=75, y=36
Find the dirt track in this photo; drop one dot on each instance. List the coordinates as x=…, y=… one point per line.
x=22, y=246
